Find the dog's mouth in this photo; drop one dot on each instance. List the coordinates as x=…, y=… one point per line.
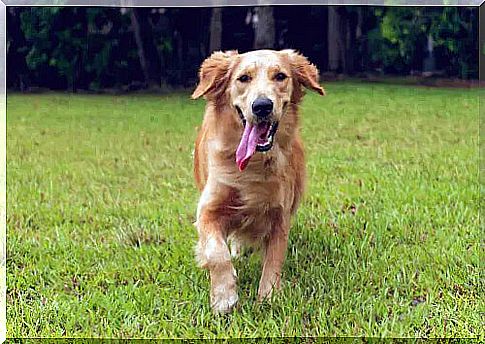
x=258, y=137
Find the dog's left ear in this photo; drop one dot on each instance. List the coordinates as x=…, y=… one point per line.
x=305, y=72
x=214, y=73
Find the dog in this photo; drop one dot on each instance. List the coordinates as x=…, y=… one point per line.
x=249, y=163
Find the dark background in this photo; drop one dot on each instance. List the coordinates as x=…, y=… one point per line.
x=82, y=48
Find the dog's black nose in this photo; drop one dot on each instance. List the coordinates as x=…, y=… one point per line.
x=262, y=107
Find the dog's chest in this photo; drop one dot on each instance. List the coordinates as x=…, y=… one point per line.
x=259, y=192
x=259, y=200
x=263, y=184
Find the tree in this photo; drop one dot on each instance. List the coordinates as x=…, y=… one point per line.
x=16, y=51
x=215, y=29
x=147, y=51
x=69, y=48
x=335, y=40
x=344, y=28
x=264, y=28
x=57, y=43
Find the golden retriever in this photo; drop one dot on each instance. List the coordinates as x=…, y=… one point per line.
x=249, y=162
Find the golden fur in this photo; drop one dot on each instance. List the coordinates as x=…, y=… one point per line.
x=253, y=206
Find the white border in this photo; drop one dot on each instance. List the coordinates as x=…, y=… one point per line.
x=134, y=3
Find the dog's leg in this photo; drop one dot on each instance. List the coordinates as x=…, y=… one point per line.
x=213, y=254
x=274, y=256
x=235, y=247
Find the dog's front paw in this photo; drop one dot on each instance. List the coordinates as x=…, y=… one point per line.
x=266, y=289
x=224, y=299
x=265, y=294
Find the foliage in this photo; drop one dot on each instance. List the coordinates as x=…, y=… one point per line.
x=95, y=48
x=101, y=204
x=57, y=40
x=77, y=46
x=398, y=43
x=455, y=32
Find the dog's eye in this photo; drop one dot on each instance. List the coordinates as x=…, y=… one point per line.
x=244, y=78
x=280, y=76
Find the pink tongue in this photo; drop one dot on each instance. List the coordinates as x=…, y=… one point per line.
x=247, y=146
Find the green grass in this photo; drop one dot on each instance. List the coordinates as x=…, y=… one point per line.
x=101, y=202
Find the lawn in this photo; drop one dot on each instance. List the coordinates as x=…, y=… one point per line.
x=101, y=201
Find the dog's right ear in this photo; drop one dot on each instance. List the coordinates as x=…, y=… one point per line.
x=214, y=73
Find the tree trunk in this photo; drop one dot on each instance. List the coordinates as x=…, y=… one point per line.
x=360, y=39
x=16, y=65
x=215, y=30
x=147, y=51
x=179, y=52
x=264, y=28
x=350, y=46
x=333, y=39
x=339, y=40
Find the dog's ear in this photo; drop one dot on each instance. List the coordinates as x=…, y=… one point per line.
x=214, y=73
x=305, y=72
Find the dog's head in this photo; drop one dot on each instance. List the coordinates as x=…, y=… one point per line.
x=259, y=86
